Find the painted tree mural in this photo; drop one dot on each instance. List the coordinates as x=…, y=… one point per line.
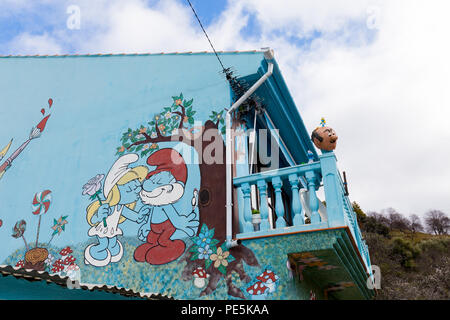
x=176, y=123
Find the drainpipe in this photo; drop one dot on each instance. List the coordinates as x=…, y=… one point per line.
x=268, y=54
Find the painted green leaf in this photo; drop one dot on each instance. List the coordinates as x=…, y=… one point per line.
x=213, y=242
x=195, y=256
x=207, y=263
x=222, y=269
x=188, y=103
x=194, y=249
x=204, y=228
x=139, y=147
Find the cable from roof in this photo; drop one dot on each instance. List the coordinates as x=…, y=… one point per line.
x=204, y=31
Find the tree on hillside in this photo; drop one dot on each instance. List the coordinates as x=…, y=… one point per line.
x=396, y=220
x=379, y=218
x=414, y=223
x=437, y=222
x=374, y=222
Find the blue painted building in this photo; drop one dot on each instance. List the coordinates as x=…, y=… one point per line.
x=114, y=172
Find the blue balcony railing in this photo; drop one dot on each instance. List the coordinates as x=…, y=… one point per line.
x=287, y=202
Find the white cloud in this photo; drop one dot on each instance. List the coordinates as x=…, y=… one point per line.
x=386, y=91
x=387, y=100
x=29, y=44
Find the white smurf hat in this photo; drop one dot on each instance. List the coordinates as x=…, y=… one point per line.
x=117, y=171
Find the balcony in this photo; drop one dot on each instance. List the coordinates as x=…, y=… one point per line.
x=289, y=207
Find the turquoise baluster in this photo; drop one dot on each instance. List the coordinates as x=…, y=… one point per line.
x=279, y=206
x=333, y=190
x=297, y=212
x=245, y=223
x=263, y=208
x=313, y=200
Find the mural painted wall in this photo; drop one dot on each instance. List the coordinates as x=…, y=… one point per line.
x=101, y=189
x=104, y=177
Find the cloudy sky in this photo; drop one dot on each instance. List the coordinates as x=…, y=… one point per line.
x=378, y=71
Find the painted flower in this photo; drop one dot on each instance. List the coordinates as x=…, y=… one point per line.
x=204, y=252
x=203, y=239
x=168, y=115
x=153, y=146
x=65, y=251
x=93, y=185
x=186, y=119
x=178, y=102
x=174, y=131
x=20, y=264
x=161, y=127
x=122, y=149
x=49, y=260
x=154, y=135
x=142, y=130
x=220, y=258
x=146, y=147
x=156, y=118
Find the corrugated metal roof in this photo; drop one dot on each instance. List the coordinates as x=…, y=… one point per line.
x=33, y=275
x=129, y=54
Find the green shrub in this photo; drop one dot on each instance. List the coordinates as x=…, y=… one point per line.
x=407, y=251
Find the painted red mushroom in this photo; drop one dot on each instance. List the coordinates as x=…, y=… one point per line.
x=200, y=277
x=20, y=264
x=269, y=278
x=69, y=260
x=65, y=251
x=258, y=291
x=58, y=266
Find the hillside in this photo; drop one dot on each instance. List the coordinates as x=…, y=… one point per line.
x=414, y=265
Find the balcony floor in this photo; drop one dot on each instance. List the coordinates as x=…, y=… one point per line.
x=327, y=258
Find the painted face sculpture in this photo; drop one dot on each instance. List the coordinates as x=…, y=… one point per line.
x=324, y=138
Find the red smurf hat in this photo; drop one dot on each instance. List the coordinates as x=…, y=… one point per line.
x=168, y=160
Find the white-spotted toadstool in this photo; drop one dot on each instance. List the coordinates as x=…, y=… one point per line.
x=258, y=291
x=269, y=278
x=200, y=277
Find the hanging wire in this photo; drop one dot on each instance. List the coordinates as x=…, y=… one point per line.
x=238, y=86
x=204, y=31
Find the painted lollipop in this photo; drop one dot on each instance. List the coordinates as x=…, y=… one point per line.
x=19, y=230
x=41, y=204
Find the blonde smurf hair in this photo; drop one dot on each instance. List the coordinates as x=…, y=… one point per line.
x=113, y=198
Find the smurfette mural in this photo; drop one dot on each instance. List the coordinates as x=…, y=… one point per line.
x=121, y=189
